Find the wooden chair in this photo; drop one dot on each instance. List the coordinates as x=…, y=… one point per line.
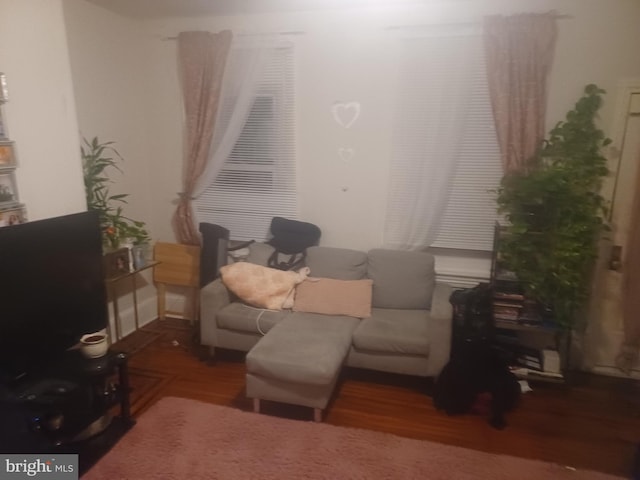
x=179, y=267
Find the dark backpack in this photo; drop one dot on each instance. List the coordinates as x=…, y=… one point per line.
x=291, y=237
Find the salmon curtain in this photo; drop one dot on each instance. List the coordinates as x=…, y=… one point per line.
x=201, y=61
x=519, y=54
x=628, y=355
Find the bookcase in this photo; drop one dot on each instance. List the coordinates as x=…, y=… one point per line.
x=524, y=329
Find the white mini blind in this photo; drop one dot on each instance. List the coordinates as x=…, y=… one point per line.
x=470, y=215
x=258, y=180
x=469, y=209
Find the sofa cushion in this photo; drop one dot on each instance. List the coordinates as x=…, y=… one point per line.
x=240, y=317
x=304, y=348
x=339, y=263
x=394, y=331
x=401, y=279
x=334, y=297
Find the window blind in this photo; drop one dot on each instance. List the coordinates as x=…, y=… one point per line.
x=470, y=214
x=469, y=211
x=258, y=180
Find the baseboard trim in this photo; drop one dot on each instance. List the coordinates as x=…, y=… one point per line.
x=614, y=372
x=147, y=312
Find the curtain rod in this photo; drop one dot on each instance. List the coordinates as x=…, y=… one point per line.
x=293, y=32
x=478, y=22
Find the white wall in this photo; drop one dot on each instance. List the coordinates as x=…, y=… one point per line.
x=110, y=77
x=41, y=114
x=344, y=55
x=348, y=55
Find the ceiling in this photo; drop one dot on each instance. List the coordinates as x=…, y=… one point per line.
x=146, y=9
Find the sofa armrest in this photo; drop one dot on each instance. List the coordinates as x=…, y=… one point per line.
x=213, y=297
x=440, y=305
x=440, y=327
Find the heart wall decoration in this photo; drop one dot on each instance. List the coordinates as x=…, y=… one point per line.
x=346, y=154
x=345, y=113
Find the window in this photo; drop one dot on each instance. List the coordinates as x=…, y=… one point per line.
x=258, y=180
x=448, y=161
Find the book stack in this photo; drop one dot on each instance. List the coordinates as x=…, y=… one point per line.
x=530, y=314
x=523, y=372
x=530, y=358
x=514, y=308
x=507, y=307
x=545, y=362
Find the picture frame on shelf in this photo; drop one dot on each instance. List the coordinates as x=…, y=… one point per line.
x=116, y=262
x=13, y=216
x=4, y=89
x=8, y=189
x=7, y=154
x=3, y=128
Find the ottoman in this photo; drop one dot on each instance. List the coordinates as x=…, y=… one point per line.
x=298, y=361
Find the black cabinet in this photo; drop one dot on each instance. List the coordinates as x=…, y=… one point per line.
x=73, y=405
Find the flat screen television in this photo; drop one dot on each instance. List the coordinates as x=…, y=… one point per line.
x=52, y=290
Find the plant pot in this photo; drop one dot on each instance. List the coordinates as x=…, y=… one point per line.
x=94, y=345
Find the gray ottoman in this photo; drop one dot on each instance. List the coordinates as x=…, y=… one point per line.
x=298, y=361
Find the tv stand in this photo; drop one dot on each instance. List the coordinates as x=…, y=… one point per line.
x=75, y=405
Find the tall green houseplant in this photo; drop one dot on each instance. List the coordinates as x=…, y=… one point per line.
x=556, y=213
x=97, y=158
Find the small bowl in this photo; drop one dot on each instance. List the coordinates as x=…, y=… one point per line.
x=94, y=345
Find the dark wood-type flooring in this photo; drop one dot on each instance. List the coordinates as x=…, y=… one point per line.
x=591, y=423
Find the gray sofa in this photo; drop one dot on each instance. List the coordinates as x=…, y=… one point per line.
x=295, y=357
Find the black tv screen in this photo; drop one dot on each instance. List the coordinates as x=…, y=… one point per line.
x=52, y=289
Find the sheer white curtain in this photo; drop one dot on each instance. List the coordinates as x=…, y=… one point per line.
x=434, y=90
x=247, y=60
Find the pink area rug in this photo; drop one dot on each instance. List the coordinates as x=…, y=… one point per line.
x=186, y=439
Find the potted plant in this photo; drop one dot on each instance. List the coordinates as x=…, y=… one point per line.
x=556, y=214
x=117, y=228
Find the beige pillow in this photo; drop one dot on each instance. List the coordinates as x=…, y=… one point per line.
x=334, y=297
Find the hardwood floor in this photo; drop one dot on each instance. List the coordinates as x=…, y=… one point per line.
x=592, y=423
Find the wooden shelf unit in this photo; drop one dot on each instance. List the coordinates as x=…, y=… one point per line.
x=519, y=323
